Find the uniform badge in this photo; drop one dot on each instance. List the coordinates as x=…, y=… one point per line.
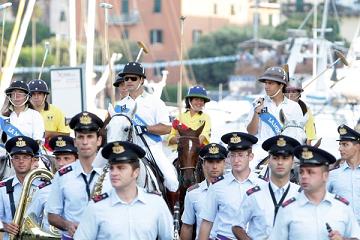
x=342, y=199
x=44, y=184
x=60, y=142
x=195, y=186
x=281, y=142
x=218, y=179
x=100, y=197
x=342, y=131
x=2, y=184
x=117, y=149
x=65, y=170
x=85, y=119
x=214, y=150
x=20, y=142
x=253, y=190
x=235, y=139
x=288, y=202
x=307, y=154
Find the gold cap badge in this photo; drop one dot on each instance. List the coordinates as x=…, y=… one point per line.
x=20, y=143
x=117, y=149
x=85, y=119
x=235, y=139
x=342, y=131
x=281, y=142
x=214, y=150
x=307, y=154
x=60, y=142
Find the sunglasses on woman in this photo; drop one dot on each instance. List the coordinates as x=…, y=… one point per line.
x=133, y=79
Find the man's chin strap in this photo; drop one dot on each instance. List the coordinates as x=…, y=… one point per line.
x=27, y=99
x=277, y=92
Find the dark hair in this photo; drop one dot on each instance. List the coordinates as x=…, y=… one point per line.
x=135, y=165
x=187, y=104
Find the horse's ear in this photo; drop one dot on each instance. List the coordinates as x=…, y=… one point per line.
x=317, y=144
x=199, y=130
x=282, y=117
x=111, y=110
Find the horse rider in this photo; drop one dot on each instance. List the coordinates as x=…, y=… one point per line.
x=264, y=121
x=213, y=163
x=193, y=117
x=225, y=196
x=53, y=117
x=21, y=150
x=65, y=153
x=126, y=211
x=72, y=184
x=345, y=180
x=315, y=213
x=120, y=85
x=151, y=120
x=293, y=91
x=260, y=206
x=23, y=119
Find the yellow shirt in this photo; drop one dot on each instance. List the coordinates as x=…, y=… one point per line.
x=310, y=126
x=54, y=120
x=194, y=122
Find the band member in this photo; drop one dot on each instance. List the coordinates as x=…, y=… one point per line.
x=72, y=185
x=225, y=196
x=127, y=211
x=21, y=150
x=260, y=206
x=315, y=212
x=213, y=163
x=345, y=180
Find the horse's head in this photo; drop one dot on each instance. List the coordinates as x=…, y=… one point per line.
x=120, y=127
x=188, y=152
x=294, y=128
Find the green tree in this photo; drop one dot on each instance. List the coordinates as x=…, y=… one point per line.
x=220, y=43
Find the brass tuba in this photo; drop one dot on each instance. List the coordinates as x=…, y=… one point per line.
x=29, y=229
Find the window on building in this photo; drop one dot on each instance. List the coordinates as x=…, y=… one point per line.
x=273, y=1
x=62, y=16
x=124, y=6
x=158, y=70
x=125, y=34
x=156, y=36
x=270, y=19
x=215, y=9
x=232, y=10
x=157, y=6
x=196, y=34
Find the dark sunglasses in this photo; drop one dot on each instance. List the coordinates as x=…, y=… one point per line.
x=133, y=79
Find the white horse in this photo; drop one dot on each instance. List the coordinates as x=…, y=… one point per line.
x=294, y=128
x=121, y=128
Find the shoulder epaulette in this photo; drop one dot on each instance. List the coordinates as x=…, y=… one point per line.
x=342, y=199
x=218, y=179
x=44, y=184
x=100, y=197
x=2, y=184
x=195, y=186
x=65, y=170
x=253, y=190
x=288, y=202
x=154, y=192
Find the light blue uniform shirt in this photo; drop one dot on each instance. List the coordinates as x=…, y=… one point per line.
x=5, y=209
x=257, y=209
x=145, y=218
x=302, y=219
x=223, y=201
x=345, y=182
x=194, y=200
x=68, y=197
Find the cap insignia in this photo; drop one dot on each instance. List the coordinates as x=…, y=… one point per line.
x=342, y=131
x=307, y=154
x=60, y=142
x=85, y=119
x=235, y=139
x=117, y=149
x=214, y=150
x=20, y=143
x=281, y=142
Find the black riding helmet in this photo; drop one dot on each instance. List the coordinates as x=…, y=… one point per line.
x=133, y=68
x=38, y=85
x=19, y=85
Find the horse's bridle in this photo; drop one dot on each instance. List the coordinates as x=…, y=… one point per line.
x=129, y=138
x=187, y=167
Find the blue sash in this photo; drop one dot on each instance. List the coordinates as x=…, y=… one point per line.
x=272, y=122
x=10, y=130
x=137, y=120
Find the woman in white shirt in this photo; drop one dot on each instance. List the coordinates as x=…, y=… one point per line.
x=19, y=110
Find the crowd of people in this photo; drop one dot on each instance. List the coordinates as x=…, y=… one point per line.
x=236, y=204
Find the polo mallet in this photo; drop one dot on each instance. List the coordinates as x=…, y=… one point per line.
x=179, y=90
x=286, y=70
x=3, y=8
x=47, y=46
x=340, y=57
x=143, y=48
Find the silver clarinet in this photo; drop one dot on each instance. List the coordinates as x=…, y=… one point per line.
x=176, y=221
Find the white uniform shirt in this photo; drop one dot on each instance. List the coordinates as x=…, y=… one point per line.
x=68, y=197
x=223, y=201
x=290, y=108
x=146, y=217
x=30, y=123
x=258, y=209
x=302, y=220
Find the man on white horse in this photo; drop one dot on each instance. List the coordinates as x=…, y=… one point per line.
x=151, y=120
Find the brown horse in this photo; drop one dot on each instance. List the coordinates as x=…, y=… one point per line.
x=189, y=168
